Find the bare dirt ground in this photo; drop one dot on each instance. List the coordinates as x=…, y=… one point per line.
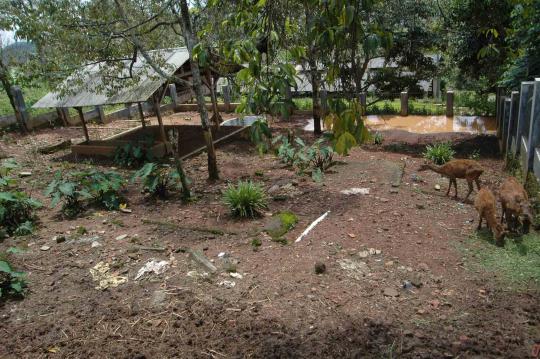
x=370, y=244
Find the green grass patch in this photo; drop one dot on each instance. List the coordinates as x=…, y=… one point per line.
x=516, y=266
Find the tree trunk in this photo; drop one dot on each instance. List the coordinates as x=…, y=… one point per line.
x=315, y=94
x=6, y=84
x=216, y=117
x=191, y=41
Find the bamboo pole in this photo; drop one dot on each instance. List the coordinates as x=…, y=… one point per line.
x=83, y=122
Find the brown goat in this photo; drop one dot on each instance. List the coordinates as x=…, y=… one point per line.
x=485, y=204
x=467, y=169
x=515, y=205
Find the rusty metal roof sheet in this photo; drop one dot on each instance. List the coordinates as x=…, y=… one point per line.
x=88, y=87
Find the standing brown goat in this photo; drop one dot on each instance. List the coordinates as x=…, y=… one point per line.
x=515, y=204
x=467, y=169
x=485, y=204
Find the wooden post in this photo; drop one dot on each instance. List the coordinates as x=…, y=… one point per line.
x=128, y=108
x=141, y=114
x=534, y=131
x=449, y=103
x=173, y=95
x=83, y=122
x=522, y=122
x=101, y=114
x=227, y=97
x=62, y=116
x=21, y=113
x=404, y=103
x=162, y=133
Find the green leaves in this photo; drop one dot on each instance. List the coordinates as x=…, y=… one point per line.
x=260, y=135
x=247, y=199
x=11, y=282
x=344, y=143
x=17, y=212
x=158, y=179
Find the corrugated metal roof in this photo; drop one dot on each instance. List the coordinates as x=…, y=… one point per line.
x=90, y=90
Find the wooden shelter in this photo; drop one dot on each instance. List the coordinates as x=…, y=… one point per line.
x=131, y=82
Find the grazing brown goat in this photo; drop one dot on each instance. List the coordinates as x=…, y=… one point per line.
x=485, y=204
x=467, y=169
x=515, y=205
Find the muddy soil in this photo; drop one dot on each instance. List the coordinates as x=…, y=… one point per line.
x=370, y=244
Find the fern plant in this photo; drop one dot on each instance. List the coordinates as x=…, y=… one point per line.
x=246, y=199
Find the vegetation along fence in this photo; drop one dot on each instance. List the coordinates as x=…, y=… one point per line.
x=518, y=125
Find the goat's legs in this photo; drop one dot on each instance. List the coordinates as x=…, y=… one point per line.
x=479, y=222
x=449, y=186
x=455, y=187
x=477, y=180
x=503, y=213
x=469, y=182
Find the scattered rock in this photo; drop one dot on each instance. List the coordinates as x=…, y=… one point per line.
x=125, y=210
x=25, y=174
x=407, y=285
x=59, y=239
x=121, y=237
x=390, y=292
x=394, y=190
x=355, y=190
x=384, y=200
x=352, y=235
x=158, y=298
x=236, y=275
x=273, y=189
x=420, y=206
x=200, y=258
x=363, y=254
x=96, y=244
x=320, y=268
x=354, y=268
x=423, y=266
x=45, y=248
x=437, y=187
x=389, y=264
x=227, y=284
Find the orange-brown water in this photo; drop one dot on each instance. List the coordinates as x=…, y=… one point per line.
x=433, y=124
x=428, y=124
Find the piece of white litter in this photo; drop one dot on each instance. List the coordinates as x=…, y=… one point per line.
x=355, y=190
x=227, y=283
x=153, y=266
x=236, y=275
x=311, y=226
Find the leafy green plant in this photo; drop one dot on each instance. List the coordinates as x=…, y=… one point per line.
x=246, y=199
x=475, y=155
x=71, y=193
x=158, y=179
x=8, y=165
x=439, y=153
x=130, y=155
x=260, y=135
x=11, y=282
x=378, y=138
x=104, y=187
x=17, y=212
x=347, y=125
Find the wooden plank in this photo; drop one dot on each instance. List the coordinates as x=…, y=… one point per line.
x=85, y=129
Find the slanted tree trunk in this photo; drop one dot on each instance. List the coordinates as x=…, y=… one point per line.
x=216, y=117
x=6, y=84
x=315, y=93
x=191, y=41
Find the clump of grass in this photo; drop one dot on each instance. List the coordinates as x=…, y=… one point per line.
x=517, y=265
x=378, y=138
x=246, y=199
x=439, y=153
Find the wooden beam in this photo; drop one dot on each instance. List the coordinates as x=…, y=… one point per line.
x=141, y=114
x=83, y=122
x=160, y=120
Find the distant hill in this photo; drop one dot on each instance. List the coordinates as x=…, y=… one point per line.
x=18, y=52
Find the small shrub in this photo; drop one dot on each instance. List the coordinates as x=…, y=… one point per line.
x=130, y=155
x=11, y=281
x=260, y=135
x=378, y=138
x=247, y=199
x=475, y=155
x=17, y=212
x=71, y=193
x=158, y=179
x=439, y=153
x=6, y=168
x=104, y=187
